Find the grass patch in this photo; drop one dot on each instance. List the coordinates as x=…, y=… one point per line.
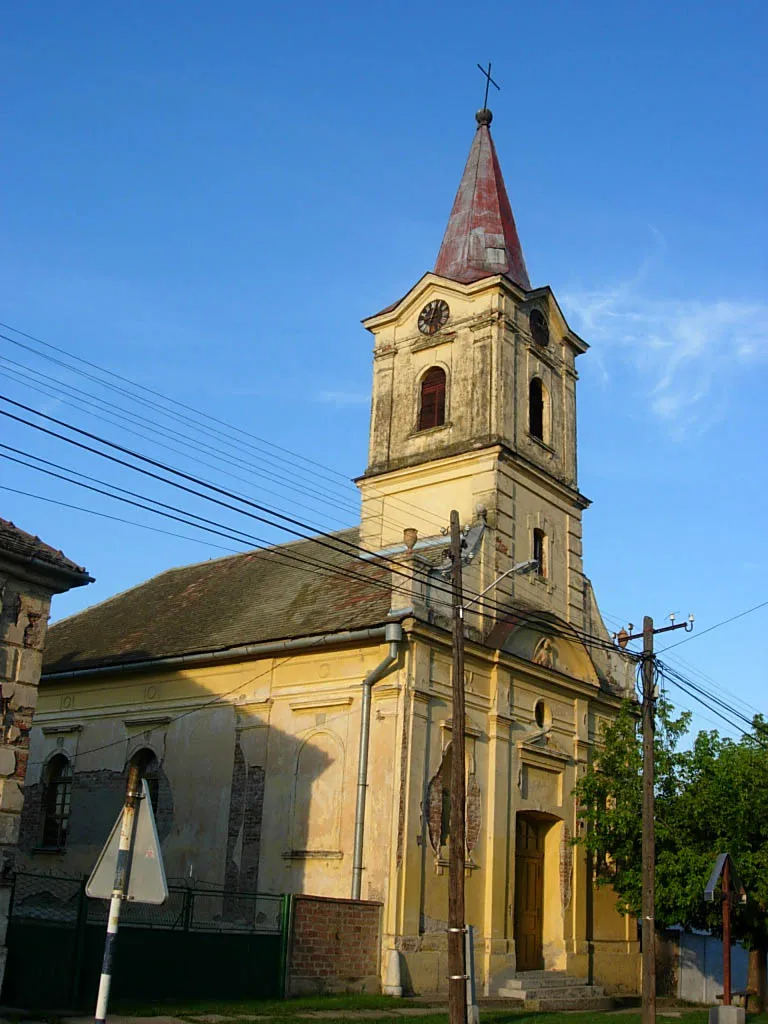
x=290, y=1011
x=265, y=1007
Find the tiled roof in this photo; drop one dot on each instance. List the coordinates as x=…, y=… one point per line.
x=23, y=546
x=250, y=598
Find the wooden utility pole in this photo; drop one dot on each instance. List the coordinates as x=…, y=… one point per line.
x=457, y=973
x=649, y=832
x=649, y=829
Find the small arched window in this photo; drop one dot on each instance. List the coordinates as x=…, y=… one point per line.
x=149, y=769
x=432, y=407
x=536, y=402
x=539, y=327
x=57, y=797
x=540, y=551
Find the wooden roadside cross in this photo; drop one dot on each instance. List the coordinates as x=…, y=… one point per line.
x=730, y=888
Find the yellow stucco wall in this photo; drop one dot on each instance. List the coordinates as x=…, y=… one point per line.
x=299, y=718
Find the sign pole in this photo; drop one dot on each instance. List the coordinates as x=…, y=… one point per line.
x=122, y=872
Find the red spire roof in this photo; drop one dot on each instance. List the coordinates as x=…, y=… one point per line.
x=481, y=237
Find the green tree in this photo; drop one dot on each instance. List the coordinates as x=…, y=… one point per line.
x=709, y=799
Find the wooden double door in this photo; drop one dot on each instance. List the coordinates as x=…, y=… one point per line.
x=529, y=893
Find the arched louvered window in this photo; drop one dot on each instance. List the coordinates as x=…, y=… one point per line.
x=57, y=797
x=539, y=327
x=536, y=403
x=432, y=408
x=149, y=769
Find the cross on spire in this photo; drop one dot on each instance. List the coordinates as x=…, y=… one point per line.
x=488, y=82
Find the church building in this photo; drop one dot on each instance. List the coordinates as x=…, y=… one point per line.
x=290, y=707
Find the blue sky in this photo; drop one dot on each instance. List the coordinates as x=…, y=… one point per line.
x=207, y=198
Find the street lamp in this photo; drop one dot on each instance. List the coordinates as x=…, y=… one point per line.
x=523, y=568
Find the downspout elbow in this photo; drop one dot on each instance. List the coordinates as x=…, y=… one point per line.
x=394, y=635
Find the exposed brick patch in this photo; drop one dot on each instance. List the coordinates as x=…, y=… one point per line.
x=335, y=946
x=566, y=867
x=30, y=828
x=252, y=815
x=474, y=813
x=97, y=797
x=246, y=808
x=235, y=823
x=438, y=801
x=34, y=631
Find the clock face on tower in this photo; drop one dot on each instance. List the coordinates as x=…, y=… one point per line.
x=434, y=316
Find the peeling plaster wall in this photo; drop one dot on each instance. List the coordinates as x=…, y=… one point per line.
x=258, y=781
x=512, y=766
x=257, y=788
x=195, y=781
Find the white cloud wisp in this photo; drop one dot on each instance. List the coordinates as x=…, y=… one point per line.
x=687, y=351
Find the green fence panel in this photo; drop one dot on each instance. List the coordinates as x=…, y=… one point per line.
x=155, y=965
x=201, y=944
x=40, y=965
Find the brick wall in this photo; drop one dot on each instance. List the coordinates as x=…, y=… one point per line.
x=335, y=946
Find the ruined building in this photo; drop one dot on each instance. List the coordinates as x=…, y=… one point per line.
x=31, y=572
x=241, y=683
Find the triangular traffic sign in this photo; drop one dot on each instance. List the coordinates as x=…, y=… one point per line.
x=146, y=875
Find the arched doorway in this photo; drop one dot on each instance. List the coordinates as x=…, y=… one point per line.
x=529, y=892
x=539, y=901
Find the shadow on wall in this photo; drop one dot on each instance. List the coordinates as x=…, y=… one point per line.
x=212, y=772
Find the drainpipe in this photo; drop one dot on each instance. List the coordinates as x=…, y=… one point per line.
x=394, y=634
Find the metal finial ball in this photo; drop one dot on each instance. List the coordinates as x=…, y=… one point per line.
x=484, y=116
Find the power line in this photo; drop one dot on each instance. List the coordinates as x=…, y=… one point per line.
x=294, y=526
x=321, y=541
x=56, y=390
x=619, y=622
x=275, y=550
x=581, y=634
x=711, y=701
x=686, y=666
x=308, y=564
x=117, y=519
x=717, y=625
x=194, y=421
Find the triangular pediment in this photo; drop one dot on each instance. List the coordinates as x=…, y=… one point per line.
x=430, y=286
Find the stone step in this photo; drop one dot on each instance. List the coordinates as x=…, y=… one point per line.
x=552, y=992
x=524, y=981
x=552, y=1003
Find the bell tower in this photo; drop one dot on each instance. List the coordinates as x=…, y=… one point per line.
x=474, y=398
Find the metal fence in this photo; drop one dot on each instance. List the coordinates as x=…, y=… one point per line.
x=200, y=943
